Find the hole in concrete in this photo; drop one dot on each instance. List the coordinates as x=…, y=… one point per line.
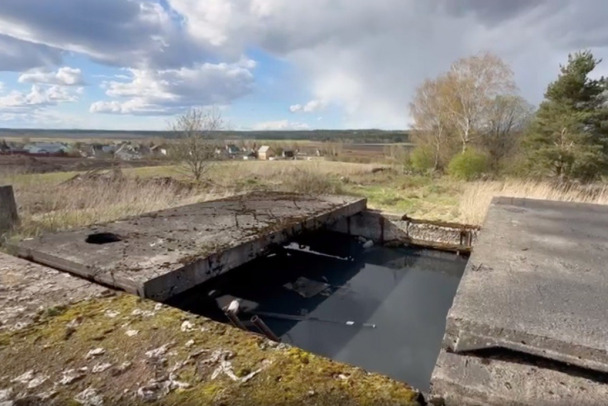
x=102, y=238
x=379, y=308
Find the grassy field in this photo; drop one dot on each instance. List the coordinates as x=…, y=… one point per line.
x=63, y=200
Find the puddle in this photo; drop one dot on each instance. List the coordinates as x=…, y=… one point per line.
x=380, y=308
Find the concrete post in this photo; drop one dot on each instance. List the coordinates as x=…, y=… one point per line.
x=8, y=209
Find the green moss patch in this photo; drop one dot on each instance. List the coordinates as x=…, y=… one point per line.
x=126, y=349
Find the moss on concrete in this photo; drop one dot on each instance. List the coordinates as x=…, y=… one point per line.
x=62, y=339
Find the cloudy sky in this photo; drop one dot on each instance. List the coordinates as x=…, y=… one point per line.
x=268, y=64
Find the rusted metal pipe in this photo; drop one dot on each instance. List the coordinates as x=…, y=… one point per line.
x=236, y=322
x=257, y=321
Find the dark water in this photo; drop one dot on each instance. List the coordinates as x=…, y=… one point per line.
x=405, y=293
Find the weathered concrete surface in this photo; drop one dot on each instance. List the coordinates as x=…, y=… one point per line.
x=165, y=253
x=28, y=291
x=537, y=283
x=461, y=380
x=8, y=209
x=119, y=349
x=385, y=228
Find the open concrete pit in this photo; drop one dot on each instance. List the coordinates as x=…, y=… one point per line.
x=526, y=319
x=379, y=308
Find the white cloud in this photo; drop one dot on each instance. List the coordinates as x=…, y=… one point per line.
x=368, y=57
x=363, y=57
x=154, y=92
x=39, y=97
x=310, y=107
x=280, y=125
x=64, y=76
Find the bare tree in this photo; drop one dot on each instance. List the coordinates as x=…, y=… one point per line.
x=194, y=148
x=431, y=122
x=474, y=103
x=507, y=118
x=470, y=88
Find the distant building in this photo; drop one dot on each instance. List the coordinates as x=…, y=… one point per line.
x=265, y=152
x=4, y=148
x=288, y=154
x=232, y=150
x=127, y=152
x=47, y=148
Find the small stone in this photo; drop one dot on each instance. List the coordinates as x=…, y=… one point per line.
x=101, y=367
x=311, y=393
x=158, y=306
x=95, y=352
x=120, y=369
x=89, y=397
x=111, y=313
x=70, y=375
x=187, y=326
x=143, y=313
x=46, y=395
x=132, y=333
x=37, y=381
x=70, y=328
x=5, y=394
x=157, y=352
x=25, y=377
x=189, y=343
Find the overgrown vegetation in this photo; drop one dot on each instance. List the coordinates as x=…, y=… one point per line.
x=475, y=105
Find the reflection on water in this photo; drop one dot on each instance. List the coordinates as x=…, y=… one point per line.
x=382, y=309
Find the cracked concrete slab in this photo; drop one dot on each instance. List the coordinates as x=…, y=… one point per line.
x=27, y=290
x=464, y=380
x=536, y=283
x=160, y=254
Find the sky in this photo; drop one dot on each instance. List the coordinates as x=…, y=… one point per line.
x=268, y=64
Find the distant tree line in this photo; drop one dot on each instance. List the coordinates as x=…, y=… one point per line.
x=471, y=122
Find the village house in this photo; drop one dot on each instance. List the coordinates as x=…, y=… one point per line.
x=265, y=152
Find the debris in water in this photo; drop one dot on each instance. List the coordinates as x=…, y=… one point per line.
x=234, y=306
x=368, y=244
x=306, y=288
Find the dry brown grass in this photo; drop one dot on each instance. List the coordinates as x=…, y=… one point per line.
x=50, y=207
x=47, y=202
x=477, y=196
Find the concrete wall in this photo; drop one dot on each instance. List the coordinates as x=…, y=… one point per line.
x=382, y=229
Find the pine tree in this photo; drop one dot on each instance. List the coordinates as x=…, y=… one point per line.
x=568, y=138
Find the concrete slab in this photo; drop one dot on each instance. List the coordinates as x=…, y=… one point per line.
x=537, y=283
x=158, y=255
x=461, y=380
x=29, y=290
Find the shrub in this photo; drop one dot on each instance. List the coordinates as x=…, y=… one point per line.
x=468, y=165
x=422, y=159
